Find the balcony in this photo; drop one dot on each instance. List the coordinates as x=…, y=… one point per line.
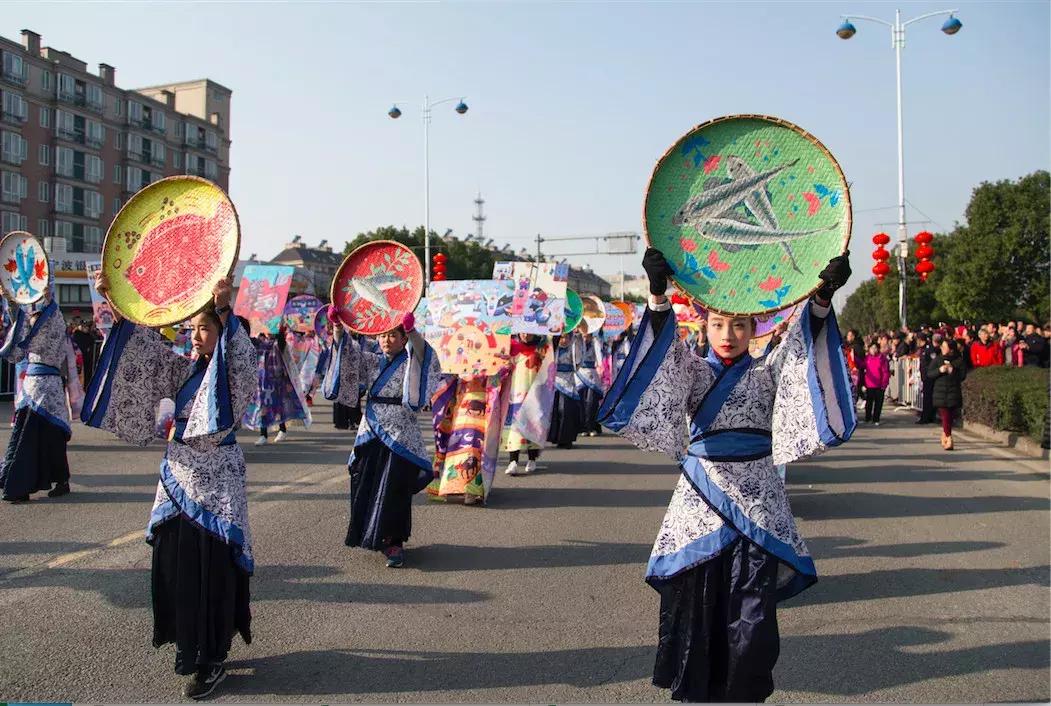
x=8, y=116
x=80, y=100
x=156, y=161
x=14, y=79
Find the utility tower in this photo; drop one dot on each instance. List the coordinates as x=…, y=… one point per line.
x=479, y=219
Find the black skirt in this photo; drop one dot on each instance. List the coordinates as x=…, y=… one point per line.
x=590, y=401
x=344, y=417
x=565, y=420
x=718, y=628
x=382, y=484
x=36, y=456
x=200, y=595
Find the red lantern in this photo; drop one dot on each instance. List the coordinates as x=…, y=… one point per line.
x=924, y=253
x=880, y=254
x=438, y=267
x=881, y=269
x=881, y=239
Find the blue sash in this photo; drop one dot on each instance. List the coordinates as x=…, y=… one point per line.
x=40, y=370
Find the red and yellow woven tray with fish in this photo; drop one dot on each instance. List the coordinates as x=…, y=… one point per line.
x=376, y=286
x=168, y=247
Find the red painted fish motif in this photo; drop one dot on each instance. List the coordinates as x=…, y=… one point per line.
x=177, y=254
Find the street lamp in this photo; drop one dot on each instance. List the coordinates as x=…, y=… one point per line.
x=897, y=36
x=395, y=113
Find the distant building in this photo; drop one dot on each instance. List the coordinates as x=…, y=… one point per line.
x=320, y=261
x=584, y=281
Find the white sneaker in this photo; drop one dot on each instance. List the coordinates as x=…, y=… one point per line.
x=512, y=468
x=261, y=441
x=592, y=433
x=530, y=466
x=876, y=423
x=281, y=436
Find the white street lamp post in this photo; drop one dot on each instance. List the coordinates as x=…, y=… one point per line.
x=897, y=30
x=395, y=113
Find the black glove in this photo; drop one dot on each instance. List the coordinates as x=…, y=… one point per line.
x=657, y=270
x=834, y=276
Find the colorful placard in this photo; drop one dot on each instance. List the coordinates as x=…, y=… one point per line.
x=26, y=270
x=376, y=286
x=539, y=295
x=629, y=311
x=167, y=248
x=261, y=296
x=469, y=324
x=747, y=210
x=616, y=322
x=101, y=311
x=300, y=312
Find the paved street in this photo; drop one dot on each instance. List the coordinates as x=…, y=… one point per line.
x=934, y=580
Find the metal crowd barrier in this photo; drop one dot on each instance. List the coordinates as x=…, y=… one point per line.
x=905, y=384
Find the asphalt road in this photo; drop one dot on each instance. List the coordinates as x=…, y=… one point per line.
x=933, y=565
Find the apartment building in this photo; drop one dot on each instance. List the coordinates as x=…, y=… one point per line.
x=74, y=146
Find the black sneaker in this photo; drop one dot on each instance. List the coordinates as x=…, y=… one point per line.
x=19, y=500
x=203, y=683
x=59, y=490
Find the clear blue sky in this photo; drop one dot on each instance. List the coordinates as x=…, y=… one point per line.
x=571, y=104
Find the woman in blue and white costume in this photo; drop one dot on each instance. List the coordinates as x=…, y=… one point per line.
x=589, y=383
x=728, y=550
x=202, y=545
x=389, y=463
x=566, y=417
x=36, y=452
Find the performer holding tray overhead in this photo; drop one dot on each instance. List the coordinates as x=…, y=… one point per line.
x=728, y=550
x=36, y=452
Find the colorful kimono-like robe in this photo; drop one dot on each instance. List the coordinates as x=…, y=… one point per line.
x=728, y=549
x=531, y=394
x=279, y=398
x=389, y=463
x=589, y=384
x=36, y=452
x=566, y=417
x=467, y=416
x=202, y=546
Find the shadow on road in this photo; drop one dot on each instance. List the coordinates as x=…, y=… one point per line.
x=449, y=557
x=130, y=588
x=904, y=583
x=881, y=659
x=843, y=547
x=883, y=472
x=843, y=506
x=396, y=671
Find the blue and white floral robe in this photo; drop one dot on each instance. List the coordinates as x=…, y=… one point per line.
x=566, y=359
x=41, y=351
x=202, y=475
x=405, y=378
x=743, y=419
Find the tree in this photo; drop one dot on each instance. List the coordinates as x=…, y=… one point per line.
x=999, y=265
x=465, y=259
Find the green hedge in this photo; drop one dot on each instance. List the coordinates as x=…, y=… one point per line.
x=1009, y=399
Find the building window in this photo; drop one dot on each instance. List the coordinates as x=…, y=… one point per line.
x=94, y=96
x=92, y=169
x=119, y=140
x=10, y=221
x=45, y=79
x=13, y=186
x=14, y=68
x=43, y=155
x=14, y=107
x=14, y=147
x=63, y=198
x=92, y=204
x=177, y=159
x=116, y=204
x=43, y=228
x=45, y=116
x=92, y=243
x=64, y=161
x=43, y=192
x=134, y=112
x=116, y=173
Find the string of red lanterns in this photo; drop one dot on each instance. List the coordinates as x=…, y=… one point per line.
x=924, y=253
x=881, y=269
x=438, y=267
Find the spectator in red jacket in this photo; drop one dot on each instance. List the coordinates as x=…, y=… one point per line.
x=985, y=352
x=876, y=377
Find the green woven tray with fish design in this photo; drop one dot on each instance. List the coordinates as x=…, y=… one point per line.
x=747, y=209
